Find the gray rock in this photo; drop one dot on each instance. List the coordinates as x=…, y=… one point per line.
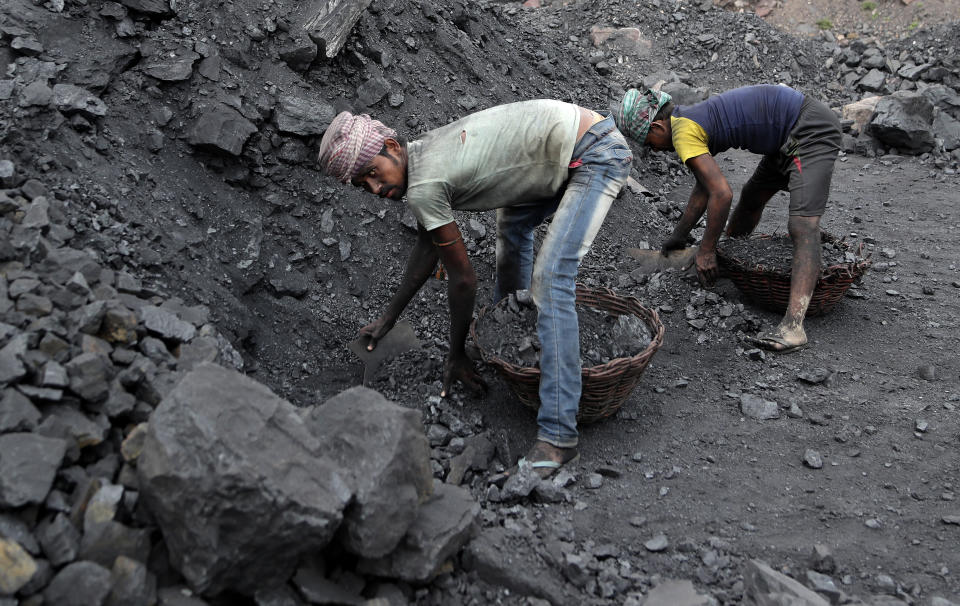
x=15, y=529
x=155, y=8
x=676, y=593
x=815, y=376
x=443, y=525
x=131, y=584
x=28, y=464
x=17, y=412
x=386, y=461
x=756, y=407
x=221, y=129
x=111, y=540
x=910, y=71
x=78, y=429
x=947, y=128
x=299, y=53
x=373, y=90
x=236, y=482
x=283, y=595
x=764, y=586
x=35, y=94
x=166, y=325
x=11, y=364
x=171, y=66
x=178, y=596
x=822, y=560
x=59, y=539
x=303, y=116
x=37, y=215
x=78, y=584
x=17, y=568
x=657, y=544
x=501, y=564
x=89, y=376
x=477, y=453
x=904, y=120
x=824, y=585
x=520, y=484
x=34, y=305
x=318, y=589
x=812, y=459
x=874, y=81
x=71, y=99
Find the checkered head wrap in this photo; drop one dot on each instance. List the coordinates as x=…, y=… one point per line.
x=350, y=142
x=637, y=110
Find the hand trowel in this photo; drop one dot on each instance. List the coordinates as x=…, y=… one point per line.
x=400, y=339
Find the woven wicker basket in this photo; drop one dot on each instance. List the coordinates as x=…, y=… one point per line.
x=771, y=289
x=605, y=387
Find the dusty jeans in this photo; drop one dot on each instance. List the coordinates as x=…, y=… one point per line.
x=599, y=168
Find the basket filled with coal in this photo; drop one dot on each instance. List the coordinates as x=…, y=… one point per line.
x=618, y=337
x=760, y=267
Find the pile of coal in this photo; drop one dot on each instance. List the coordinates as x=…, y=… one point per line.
x=509, y=332
x=775, y=253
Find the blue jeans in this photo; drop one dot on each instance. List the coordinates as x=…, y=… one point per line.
x=578, y=211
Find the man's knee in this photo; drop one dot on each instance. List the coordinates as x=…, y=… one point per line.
x=804, y=229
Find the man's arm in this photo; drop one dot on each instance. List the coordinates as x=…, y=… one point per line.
x=718, y=197
x=420, y=265
x=461, y=292
x=696, y=205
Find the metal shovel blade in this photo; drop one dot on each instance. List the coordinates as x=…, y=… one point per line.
x=400, y=339
x=651, y=260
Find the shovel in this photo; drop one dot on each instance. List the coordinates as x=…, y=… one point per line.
x=651, y=260
x=400, y=339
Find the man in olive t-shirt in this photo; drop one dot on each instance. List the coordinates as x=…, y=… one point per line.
x=528, y=161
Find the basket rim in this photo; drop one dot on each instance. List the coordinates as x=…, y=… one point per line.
x=849, y=269
x=653, y=322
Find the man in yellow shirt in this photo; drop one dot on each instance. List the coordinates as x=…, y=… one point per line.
x=799, y=138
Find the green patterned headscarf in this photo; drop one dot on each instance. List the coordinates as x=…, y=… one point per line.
x=637, y=110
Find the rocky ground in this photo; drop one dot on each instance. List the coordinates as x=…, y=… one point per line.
x=173, y=143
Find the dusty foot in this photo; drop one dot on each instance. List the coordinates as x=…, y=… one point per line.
x=545, y=459
x=784, y=339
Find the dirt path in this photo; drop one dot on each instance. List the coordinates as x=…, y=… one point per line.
x=707, y=471
x=883, y=19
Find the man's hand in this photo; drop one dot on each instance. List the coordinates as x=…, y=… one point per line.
x=376, y=330
x=461, y=368
x=707, y=269
x=674, y=242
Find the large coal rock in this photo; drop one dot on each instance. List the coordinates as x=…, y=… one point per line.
x=444, y=524
x=384, y=452
x=904, y=120
x=236, y=482
x=28, y=465
x=221, y=129
x=303, y=116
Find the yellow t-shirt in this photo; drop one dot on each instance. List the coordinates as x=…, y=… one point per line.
x=689, y=138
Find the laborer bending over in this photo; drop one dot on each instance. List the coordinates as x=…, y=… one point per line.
x=528, y=160
x=799, y=138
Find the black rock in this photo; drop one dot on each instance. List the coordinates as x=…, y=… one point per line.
x=221, y=129
x=904, y=120
x=78, y=584
x=27, y=467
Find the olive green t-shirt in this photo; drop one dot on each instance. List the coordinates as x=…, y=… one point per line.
x=505, y=155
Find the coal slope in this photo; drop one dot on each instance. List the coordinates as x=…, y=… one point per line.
x=180, y=146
